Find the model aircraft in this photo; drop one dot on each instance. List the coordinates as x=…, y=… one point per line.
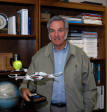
x=35, y=76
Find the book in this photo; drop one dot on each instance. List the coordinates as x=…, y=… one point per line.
x=95, y=72
x=18, y=23
x=12, y=25
x=74, y=21
x=29, y=25
x=90, y=43
x=98, y=73
x=23, y=14
x=100, y=98
x=92, y=21
x=89, y=14
x=91, y=17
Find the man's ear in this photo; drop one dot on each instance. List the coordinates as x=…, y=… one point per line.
x=49, y=36
x=66, y=34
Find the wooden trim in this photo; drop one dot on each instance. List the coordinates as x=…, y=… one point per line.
x=39, y=24
x=73, y=5
x=36, y=16
x=20, y=1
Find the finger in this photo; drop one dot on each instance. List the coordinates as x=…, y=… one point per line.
x=29, y=94
x=25, y=96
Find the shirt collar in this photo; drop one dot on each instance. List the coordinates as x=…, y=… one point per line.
x=48, y=51
x=61, y=49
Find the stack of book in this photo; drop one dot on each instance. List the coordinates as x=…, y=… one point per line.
x=90, y=18
x=73, y=19
x=19, y=24
x=85, y=40
x=90, y=43
x=75, y=38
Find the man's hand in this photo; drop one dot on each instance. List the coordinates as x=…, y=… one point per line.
x=26, y=94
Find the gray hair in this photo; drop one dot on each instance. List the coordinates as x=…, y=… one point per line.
x=58, y=18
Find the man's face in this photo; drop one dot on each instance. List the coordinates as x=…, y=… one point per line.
x=57, y=34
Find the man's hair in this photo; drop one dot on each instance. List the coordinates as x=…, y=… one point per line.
x=58, y=18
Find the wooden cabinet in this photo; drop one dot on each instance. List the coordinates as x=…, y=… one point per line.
x=74, y=9
x=24, y=45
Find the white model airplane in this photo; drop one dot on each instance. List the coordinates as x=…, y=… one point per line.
x=35, y=76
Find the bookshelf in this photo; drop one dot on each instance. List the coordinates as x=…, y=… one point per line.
x=74, y=9
x=27, y=45
x=24, y=45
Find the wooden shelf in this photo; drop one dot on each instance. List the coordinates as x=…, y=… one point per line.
x=19, y=1
x=96, y=59
x=10, y=36
x=5, y=73
x=72, y=5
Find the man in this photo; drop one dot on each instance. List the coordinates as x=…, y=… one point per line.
x=72, y=91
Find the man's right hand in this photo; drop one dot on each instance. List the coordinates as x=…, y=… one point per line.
x=26, y=94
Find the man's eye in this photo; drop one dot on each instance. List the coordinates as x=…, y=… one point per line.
x=61, y=30
x=51, y=31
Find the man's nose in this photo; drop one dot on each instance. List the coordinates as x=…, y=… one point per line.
x=56, y=33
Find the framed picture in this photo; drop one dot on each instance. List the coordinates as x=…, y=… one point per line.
x=3, y=20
